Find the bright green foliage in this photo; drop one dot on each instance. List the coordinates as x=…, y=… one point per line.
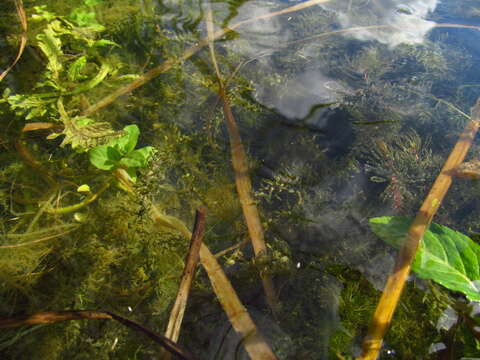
x=445, y=255
x=121, y=153
x=75, y=64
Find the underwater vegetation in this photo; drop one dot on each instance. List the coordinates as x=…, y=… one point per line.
x=336, y=131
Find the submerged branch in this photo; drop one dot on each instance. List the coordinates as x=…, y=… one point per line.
x=242, y=178
x=237, y=314
x=178, y=310
x=23, y=37
x=50, y=317
x=396, y=281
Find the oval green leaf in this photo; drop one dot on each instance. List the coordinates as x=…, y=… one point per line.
x=445, y=256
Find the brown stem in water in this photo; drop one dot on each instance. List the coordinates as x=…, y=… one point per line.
x=237, y=314
x=396, y=282
x=23, y=38
x=50, y=317
x=242, y=178
x=178, y=310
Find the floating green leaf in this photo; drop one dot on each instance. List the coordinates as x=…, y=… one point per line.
x=445, y=256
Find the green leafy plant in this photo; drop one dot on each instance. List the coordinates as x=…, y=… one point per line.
x=121, y=153
x=75, y=66
x=445, y=256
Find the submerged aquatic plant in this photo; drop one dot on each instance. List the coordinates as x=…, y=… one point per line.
x=405, y=163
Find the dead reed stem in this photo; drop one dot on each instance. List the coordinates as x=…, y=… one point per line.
x=396, y=281
x=242, y=177
x=237, y=314
x=23, y=37
x=178, y=310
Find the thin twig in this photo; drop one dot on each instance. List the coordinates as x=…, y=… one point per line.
x=396, y=281
x=241, y=244
x=75, y=207
x=23, y=37
x=50, y=317
x=178, y=310
x=237, y=314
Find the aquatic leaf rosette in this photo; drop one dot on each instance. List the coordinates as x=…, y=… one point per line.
x=121, y=153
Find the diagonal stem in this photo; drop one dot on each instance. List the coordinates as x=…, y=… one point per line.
x=396, y=282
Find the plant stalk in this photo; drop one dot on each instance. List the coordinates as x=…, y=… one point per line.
x=242, y=178
x=396, y=282
x=178, y=310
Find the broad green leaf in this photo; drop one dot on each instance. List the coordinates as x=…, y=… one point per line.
x=445, y=256
x=104, y=157
x=138, y=158
x=127, y=143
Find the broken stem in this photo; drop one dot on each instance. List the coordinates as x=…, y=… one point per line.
x=178, y=310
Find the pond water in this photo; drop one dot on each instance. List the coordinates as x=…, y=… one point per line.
x=344, y=110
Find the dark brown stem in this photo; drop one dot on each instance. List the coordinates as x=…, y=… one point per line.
x=23, y=37
x=50, y=317
x=178, y=310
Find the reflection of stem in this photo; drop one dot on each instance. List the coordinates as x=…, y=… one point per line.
x=33, y=242
x=237, y=314
x=241, y=244
x=78, y=206
x=28, y=158
x=396, y=281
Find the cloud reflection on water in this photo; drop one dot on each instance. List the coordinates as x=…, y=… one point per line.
x=407, y=18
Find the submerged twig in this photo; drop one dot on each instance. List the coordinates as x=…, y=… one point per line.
x=242, y=178
x=50, y=317
x=396, y=281
x=178, y=310
x=241, y=244
x=237, y=314
x=23, y=38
